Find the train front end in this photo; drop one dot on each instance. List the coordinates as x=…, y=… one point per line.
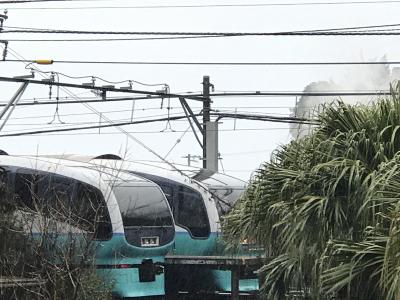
x=132, y=261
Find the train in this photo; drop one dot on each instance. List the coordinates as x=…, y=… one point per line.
x=196, y=200
x=130, y=237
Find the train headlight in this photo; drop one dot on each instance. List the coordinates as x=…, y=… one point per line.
x=244, y=242
x=152, y=241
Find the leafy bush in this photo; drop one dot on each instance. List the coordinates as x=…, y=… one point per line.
x=327, y=207
x=65, y=265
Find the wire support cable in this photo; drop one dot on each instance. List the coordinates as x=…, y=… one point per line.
x=104, y=80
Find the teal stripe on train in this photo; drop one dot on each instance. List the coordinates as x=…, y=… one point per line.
x=126, y=281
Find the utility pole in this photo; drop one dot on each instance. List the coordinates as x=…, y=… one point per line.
x=210, y=130
x=189, y=159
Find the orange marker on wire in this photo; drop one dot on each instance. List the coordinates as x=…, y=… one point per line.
x=43, y=61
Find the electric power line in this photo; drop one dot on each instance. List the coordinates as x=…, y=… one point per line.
x=115, y=39
x=94, y=122
x=190, y=6
x=386, y=26
x=128, y=135
x=89, y=113
x=388, y=29
x=217, y=109
x=149, y=132
x=104, y=80
x=316, y=63
x=224, y=34
x=113, y=124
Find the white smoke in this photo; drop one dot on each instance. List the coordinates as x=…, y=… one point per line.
x=357, y=78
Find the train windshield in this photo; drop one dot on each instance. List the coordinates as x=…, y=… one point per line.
x=142, y=205
x=186, y=203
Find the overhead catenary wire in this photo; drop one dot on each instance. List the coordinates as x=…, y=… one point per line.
x=89, y=113
x=385, y=29
x=29, y=132
x=249, y=117
x=126, y=119
x=264, y=117
x=199, y=97
x=219, y=63
x=55, y=132
x=130, y=81
x=387, y=26
x=268, y=118
x=162, y=94
x=217, y=109
x=194, y=6
x=106, y=113
x=225, y=34
x=31, y=1
x=115, y=39
x=109, y=121
x=250, y=94
x=128, y=135
x=34, y=102
x=87, y=122
x=153, y=132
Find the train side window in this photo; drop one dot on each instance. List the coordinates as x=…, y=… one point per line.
x=169, y=194
x=191, y=213
x=5, y=191
x=54, y=195
x=26, y=189
x=58, y=196
x=91, y=208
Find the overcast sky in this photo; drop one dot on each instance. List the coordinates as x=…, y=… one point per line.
x=243, y=145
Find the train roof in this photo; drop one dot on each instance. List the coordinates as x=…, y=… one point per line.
x=225, y=187
x=108, y=173
x=41, y=164
x=208, y=177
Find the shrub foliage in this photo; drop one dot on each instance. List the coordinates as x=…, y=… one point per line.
x=327, y=207
x=63, y=263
